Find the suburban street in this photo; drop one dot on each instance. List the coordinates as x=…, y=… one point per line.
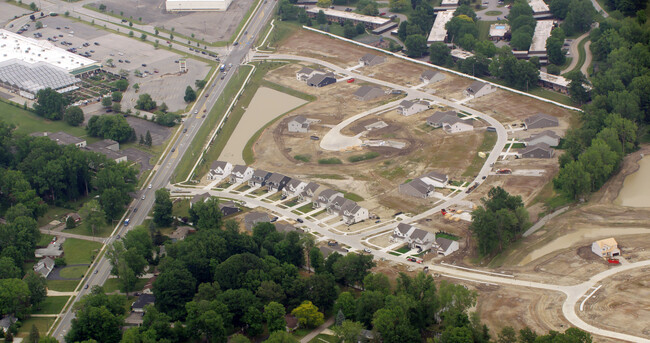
x=170, y=158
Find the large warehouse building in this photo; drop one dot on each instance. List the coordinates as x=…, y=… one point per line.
x=28, y=65
x=196, y=5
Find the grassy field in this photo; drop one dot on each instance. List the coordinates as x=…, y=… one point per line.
x=78, y=251
x=352, y=196
x=28, y=122
x=324, y=338
x=215, y=115
x=489, y=139
x=45, y=240
x=76, y=272
x=42, y=324
x=484, y=29
x=102, y=231
x=62, y=285
x=52, y=305
x=111, y=285
x=181, y=208
x=281, y=31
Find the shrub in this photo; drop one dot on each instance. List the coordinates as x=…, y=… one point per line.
x=367, y=156
x=331, y=160
x=304, y=158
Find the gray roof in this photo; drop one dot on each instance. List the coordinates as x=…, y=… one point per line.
x=143, y=300
x=476, y=86
x=404, y=228
x=328, y=193
x=276, y=178
x=199, y=197
x=253, y=218
x=420, y=186
x=542, y=146
x=540, y=116
x=299, y=119
x=370, y=57
x=364, y=90
x=283, y=227
x=421, y=234
x=439, y=116
x=32, y=77
x=305, y=70
x=227, y=204
x=311, y=187
x=437, y=176
x=317, y=78
x=406, y=103
x=218, y=164
x=63, y=138
x=429, y=74
x=239, y=169
x=103, y=144
x=548, y=133
x=294, y=183
x=443, y=243
x=7, y=320
x=259, y=173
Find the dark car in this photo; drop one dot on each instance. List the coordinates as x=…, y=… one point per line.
x=173, y=149
x=184, y=130
x=300, y=220
x=135, y=210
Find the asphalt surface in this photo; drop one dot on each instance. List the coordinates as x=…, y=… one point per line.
x=171, y=157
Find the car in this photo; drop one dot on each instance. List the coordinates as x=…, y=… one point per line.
x=144, y=196
x=96, y=271
x=498, y=18
x=184, y=130
x=314, y=138
x=367, y=250
x=203, y=116
x=96, y=43
x=120, y=61
x=191, y=49
x=127, y=61
x=207, y=94
x=382, y=13
x=351, y=80
x=348, y=9
x=58, y=28
x=377, y=221
x=173, y=149
x=196, y=111
x=299, y=220
x=118, y=237
x=274, y=219
x=411, y=259
x=235, y=43
x=150, y=185
x=144, y=64
x=222, y=76
x=135, y=210
x=86, y=287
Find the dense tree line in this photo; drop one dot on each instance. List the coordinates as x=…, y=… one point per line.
x=113, y=127
x=499, y=222
x=522, y=25
x=610, y=123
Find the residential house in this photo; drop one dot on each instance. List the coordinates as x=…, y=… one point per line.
x=7, y=321
x=291, y=322
x=75, y=217
x=336, y=204
x=439, y=118
x=294, y=188
x=353, y=212
x=181, y=233
x=435, y=179
x=539, y=150
x=252, y=218
x=203, y=197
x=309, y=191
x=417, y=188
x=540, y=121
x=219, y=170
x=365, y=93
x=228, y=208
x=478, y=89
x=606, y=248
x=298, y=124
x=431, y=76
x=325, y=197
x=53, y=250
x=143, y=300
x=276, y=182
x=366, y=336
x=456, y=125
x=549, y=137
x=259, y=178
x=445, y=246
x=407, y=108
x=414, y=237
x=240, y=174
x=305, y=73
x=44, y=266
x=328, y=250
x=371, y=60
x=321, y=80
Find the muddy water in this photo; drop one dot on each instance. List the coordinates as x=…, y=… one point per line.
x=580, y=235
x=636, y=189
x=266, y=105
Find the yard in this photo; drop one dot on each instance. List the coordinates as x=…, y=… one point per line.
x=42, y=324
x=52, y=305
x=489, y=139
x=113, y=284
x=76, y=272
x=62, y=285
x=27, y=122
x=79, y=251
x=306, y=208
x=102, y=231
x=181, y=208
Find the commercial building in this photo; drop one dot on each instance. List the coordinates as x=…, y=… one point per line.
x=447, y=5
x=370, y=22
x=196, y=5
x=28, y=65
x=555, y=82
x=438, y=31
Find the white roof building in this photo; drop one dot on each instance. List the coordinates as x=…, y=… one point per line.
x=438, y=31
x=351, y=16
x=540, y=9
x=542, y=33
x=196, y=5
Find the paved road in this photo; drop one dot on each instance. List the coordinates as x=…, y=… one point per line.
x=493, y=5
x=585, y=67
x=170, y=158
x=574, y=52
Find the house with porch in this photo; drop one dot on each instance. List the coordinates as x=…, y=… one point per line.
x=240, y=174
x=325, y=198
x=309, y=191
x=414, y=237
x=294, y=188
x=219, y=170
x=259, y=178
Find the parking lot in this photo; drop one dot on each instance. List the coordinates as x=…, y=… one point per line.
x=8, y=12
x=162, y=79
x=210, y=26
x=158, y=133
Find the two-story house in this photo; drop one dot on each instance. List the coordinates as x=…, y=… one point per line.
x=240, y=174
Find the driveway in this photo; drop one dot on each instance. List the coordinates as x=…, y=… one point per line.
x=56, y=272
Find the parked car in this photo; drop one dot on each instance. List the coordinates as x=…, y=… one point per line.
x=367, y=250
x=300, y=220
x=351, y=80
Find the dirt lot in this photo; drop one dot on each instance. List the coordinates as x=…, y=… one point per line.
x=510, y=107
x=622, y=304
x=211, y=26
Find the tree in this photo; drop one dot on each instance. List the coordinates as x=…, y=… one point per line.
x=143, y=37
x=162, y=209
x=416, y=45
x=73, y=115
x=522, y=38
x=274, y=314
x=107, y=102
x=34, y=336
x=320, y=17
x=117, y=108
x=399, y=5
x=308, y=315
x=102, y=7
x=33, y=7
x=8, y=269
x=323, y=290
x=145, y=102
x=281, y=337
x=577, y=89
x=147, y=139
x=316, y=260
x=84, y=325
x=348, y=331
x=393, y=326
x=93, y=215
x=14, y=297
x=324, y=3
x=348, y=30
x=50, y=104
x=114, y=127
x=173, y=288
x=190, y=95
x=116, y=96
x=121, y=85
x=36, y=285
x=70, y=223
x=579, y=18
x=440, y=54
x=346, y=304
x=361, y=29
x=39, y=25
x=554, y=50
x=48, y=339
x=200, y=84
x=167, y=119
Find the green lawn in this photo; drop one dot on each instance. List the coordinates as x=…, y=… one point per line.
x=78, y=251
x=28, y=122
x=113, y=284
x=302, y=332
x=181, y=208
x=45, y=240
x=324, y=338
x=306, y=208
x=52, y=305
x=403, y=249
x=493, y=13
x=352, y=196
x=484, y=29
x=62, y=285
x=102, y=231
x=489, y=139
x=42, y=324
x=76, y=272
x=448, y=236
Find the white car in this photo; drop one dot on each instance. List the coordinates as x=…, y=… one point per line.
x=196, y=111
x=150, y=186
x=143, y=196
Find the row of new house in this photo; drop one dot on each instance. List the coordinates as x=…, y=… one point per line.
x=424, y=240
x=290, y=187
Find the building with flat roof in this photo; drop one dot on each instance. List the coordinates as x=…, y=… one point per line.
x=540, y=9
x=196, y=5
x=542, y=33
x=438, y=31
x=499, y=31
x=460, y=54
x=61, y=138
x=370, y=22
x=447, y=5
